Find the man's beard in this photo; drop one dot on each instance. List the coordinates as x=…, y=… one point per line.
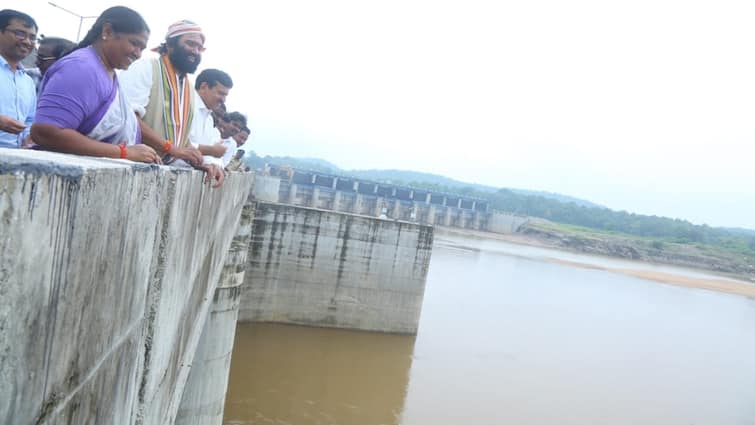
x=180, y=60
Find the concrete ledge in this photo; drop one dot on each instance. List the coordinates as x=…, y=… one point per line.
x=107, y=274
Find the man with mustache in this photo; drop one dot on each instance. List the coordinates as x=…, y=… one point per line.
x=163, y=98
x=18, y=94
x=229, y=126
x=242, y=136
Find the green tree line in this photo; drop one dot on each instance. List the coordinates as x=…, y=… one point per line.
x=607, y=219
x=604, y=219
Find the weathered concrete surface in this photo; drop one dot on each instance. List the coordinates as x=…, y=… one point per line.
x=322, y=268
x=505, y=223
x=204, y=395
x=267, y=188
x=106, y=276
x=195, y=234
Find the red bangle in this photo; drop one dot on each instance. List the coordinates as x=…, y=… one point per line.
x=123, y=150
x=167, y=146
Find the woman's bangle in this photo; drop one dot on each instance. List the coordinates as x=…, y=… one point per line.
x=123, y=150
x=167, y=146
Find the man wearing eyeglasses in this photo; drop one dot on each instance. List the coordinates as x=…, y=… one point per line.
x=50, y=50
x=18, y=95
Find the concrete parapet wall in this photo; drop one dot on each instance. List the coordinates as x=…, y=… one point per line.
x=267, y=188
x=204, y=395
x=301, y=195
x=345, y=201
x=108, y=271
x=322, y=268
x=323, y=198
x=506, y=223
x=344, y=195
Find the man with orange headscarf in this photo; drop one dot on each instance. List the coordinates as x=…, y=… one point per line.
x=162, y=96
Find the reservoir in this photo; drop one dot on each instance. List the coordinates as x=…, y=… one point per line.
x=512, y=334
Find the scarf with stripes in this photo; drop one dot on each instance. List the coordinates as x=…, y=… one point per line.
x=177, y=113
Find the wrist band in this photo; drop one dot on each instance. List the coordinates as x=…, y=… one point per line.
x=123, y=150
x=167, y=146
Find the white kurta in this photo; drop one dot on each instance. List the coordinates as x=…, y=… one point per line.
x=137, y=84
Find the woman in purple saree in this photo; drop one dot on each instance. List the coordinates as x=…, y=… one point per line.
x=81, y=109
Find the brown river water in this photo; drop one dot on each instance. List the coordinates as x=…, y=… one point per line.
x=519, y=335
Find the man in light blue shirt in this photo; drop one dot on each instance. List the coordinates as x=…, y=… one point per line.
x=18, y=95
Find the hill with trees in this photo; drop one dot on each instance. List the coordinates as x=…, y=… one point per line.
x=579, y=216
x=401, y=177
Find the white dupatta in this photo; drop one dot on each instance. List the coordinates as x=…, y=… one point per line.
x=118, y=124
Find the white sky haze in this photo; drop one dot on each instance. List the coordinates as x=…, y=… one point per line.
x=645, y=106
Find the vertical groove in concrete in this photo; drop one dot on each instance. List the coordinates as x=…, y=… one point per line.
x=203, y=398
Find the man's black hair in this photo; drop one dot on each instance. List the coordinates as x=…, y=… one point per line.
x=213, y=77
x=235, y=116
x=7, y=15
x=60, y=46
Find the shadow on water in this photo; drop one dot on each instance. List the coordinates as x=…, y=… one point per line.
x=300, y=375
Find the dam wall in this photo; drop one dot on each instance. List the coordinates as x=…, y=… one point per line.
x=108, y=272
x=322, y=268
x=506, y=223
x=357, y=196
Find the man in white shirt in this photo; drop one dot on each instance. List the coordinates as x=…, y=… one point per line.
x=240, y=138
x=212, y=87
x=230, y=125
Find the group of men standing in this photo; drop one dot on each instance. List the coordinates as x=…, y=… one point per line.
x=183, y=122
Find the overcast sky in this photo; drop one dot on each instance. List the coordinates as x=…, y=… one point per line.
x=646, y=106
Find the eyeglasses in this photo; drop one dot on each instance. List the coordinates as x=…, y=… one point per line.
x=23, y=35
x=46, y=58
x=191, y=44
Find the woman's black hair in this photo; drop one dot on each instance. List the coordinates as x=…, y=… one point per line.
x=121, y=18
